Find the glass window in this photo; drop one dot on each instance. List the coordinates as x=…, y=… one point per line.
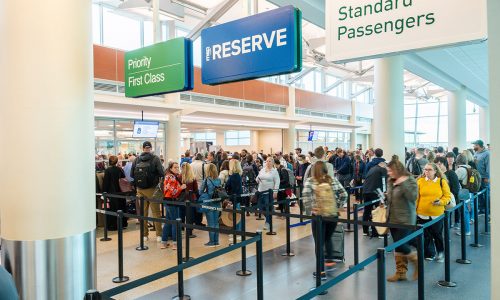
x=121, y=32
x=205, y=137
x=472, y=127
x=308, y=82
x=444, y=108
x=181, y=32
x=317, y=80
x=96, y=24
x=410, y=124
x=428, y=109
x=148, y=33
x=410, y=111
x=237, y=138
x=427, y=129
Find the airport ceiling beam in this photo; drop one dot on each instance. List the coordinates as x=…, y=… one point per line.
x=360, y=92
x=300, y=75
x=214, y=15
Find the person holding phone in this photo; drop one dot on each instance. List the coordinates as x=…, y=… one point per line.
x=433, y=195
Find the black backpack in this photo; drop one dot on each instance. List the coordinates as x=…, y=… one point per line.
x=143, y=174
x=248, y=176
x=416, y=169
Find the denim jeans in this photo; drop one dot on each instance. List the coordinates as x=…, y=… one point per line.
x=213, y=221
x=469, y=215
x=265, y=200
x=170, y=231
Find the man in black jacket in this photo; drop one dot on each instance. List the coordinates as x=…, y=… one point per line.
x=147, y=171
x=376, y=178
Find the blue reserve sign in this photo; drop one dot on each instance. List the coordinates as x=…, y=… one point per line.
x=265, y=44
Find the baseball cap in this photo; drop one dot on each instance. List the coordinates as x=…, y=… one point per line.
x=147, y=144
x=480, y=143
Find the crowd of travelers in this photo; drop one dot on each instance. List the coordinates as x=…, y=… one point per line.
x=416, y=189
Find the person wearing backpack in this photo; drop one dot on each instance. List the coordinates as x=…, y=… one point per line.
x=234, y=188
x=146, y=172
x=417, y=163
x=284, y=183
x=467, y=181
x=321, y=196
x=208, y=186
x=482, y=159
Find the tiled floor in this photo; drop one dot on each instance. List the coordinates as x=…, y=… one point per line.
x=284, y=278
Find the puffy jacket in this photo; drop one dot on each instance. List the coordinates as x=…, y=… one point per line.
x=401, y=202
x=375, y=161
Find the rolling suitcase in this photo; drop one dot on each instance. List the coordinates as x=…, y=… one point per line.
x=338, y=243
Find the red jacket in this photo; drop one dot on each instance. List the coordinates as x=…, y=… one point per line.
x=172, y=186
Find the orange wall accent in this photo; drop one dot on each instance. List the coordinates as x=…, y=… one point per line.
x=109, y=65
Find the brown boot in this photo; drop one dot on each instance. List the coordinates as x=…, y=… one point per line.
x=401, y=268
x=413, y=259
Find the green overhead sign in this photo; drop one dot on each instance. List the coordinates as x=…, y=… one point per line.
x=162, y=68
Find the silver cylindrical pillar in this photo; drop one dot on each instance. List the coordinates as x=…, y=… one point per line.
x=47, y=142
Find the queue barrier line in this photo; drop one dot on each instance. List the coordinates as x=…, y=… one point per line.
x=330, y=283
x=170, y=222
x=175, y=269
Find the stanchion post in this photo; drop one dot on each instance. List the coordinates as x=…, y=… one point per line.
x=105, y=204
x=486, y=211
x=476, y=224
x=120, y=277
x=301, y=207
x=463, y=260
x=447, y=276
x=260, y=268
x=260, y=207
x=92, y=295
x=319, y=251
x=386, y=240
x=288, y=252
x=243, y=271
x=180, y=274
x=141, y=225
x=420, y=254
x=349, y=213
x=381, y=287
x=356, y=237
x=187, y=232
x=233, y=198
x=270, y=209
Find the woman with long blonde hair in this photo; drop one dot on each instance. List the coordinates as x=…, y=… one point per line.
x=191, y=193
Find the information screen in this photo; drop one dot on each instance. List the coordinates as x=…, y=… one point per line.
x=145, y=129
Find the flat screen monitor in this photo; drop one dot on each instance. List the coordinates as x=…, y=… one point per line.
x=313, y=136
x=145, y=129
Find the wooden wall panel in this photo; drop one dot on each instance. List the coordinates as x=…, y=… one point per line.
x=277, y=94
x=104, y=63
x=320, y=102
x=232, y=90
x=202, y=88
x=255, y=90
x=120, y=65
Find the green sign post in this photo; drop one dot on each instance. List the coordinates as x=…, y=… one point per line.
x=162, y=68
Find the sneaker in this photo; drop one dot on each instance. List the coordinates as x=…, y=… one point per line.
x=145, y=238
x=456, y=226
x=467, y=233
x=365, y=233
x=429, y=258
x=323, y=276
x=330, y=263
x=158, y=239
x=211, y=245
x=439, y=257
x=174, y=246
x=266, y=226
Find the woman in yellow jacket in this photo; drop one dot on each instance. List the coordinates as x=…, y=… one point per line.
x=433, y=195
